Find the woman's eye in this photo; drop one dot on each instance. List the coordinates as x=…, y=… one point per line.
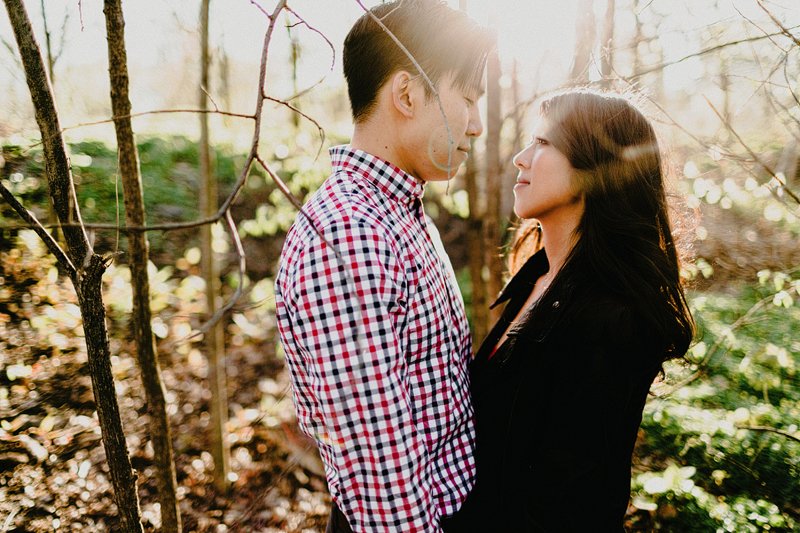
x=539, y=140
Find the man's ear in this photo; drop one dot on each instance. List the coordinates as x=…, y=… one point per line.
x=404, y=93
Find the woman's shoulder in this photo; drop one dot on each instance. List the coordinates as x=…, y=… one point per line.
x=602, y=317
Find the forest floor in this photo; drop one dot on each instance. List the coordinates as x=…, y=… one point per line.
x=53, y=474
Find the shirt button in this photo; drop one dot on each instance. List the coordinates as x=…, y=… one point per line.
x=556, y=304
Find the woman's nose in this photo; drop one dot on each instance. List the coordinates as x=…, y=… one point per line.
x=522, y=160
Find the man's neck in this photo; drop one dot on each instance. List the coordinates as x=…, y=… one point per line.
x=378, y=141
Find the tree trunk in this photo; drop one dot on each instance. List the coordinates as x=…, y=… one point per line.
x=138, y=249
x=293, y=59
x=607, y=45
x=584, y=42
x=480, y=308
x=475, y=248
x=48, y=46
x=52, y=217
x=492, y=226
x=90, y=299
x=215, y=337
x=89, y=268
x=514, y=146
x=638, y=36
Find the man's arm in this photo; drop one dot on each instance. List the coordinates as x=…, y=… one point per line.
x=345, y=319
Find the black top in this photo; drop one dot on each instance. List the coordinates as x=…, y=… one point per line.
x=557, y=408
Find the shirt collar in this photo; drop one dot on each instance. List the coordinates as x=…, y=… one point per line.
x=394, y=182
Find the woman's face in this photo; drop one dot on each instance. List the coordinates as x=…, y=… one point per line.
x=546, y=182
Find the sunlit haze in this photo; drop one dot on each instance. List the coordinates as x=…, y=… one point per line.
x=162, y=41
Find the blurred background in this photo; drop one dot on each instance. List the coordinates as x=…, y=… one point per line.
x=719, y=448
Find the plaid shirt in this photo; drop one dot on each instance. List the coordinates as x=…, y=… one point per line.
x=377, y=345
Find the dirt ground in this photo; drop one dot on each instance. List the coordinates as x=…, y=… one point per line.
x=53, y=475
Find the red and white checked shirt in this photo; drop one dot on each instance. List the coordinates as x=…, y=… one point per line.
x=377, y=345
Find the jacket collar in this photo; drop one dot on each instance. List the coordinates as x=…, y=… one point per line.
x=549, y=310
x=524, y=279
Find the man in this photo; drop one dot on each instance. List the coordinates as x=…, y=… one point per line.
x=374, y=330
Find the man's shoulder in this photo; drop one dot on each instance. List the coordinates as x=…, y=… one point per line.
x=344, y=201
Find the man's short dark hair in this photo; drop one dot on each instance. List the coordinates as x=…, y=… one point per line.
x=442, y=40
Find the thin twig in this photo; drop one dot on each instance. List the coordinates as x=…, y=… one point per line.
x=703, y=365
x=789, y=84
x=704, y=52
x=762, y=30
x=302, y=21
x=217, y=316
x=154, y=112
x=258, y=6
x=771, y=430
x=80, y=13
x=211, y=98
x=305, y=116
x=784, y=30
x=755, y=156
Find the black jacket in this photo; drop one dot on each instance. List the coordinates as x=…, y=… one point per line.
x=558, y=408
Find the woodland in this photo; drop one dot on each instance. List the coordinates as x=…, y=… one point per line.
x=142, y=385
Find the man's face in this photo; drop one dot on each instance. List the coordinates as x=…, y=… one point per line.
x=436, y=144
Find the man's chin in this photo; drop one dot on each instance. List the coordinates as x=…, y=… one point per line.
x=443, y=172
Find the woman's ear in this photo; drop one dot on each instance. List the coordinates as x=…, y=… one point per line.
x=404, y=96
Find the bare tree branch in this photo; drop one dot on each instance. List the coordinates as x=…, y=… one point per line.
x=33, y=223
x=703, y=52
x=305, y=23
x=143, y=113
x=80, y=13
x=762, y=30
x=789, y=84
x=755, y=156
x=261, y=9
x=771, y=430
x=703, y=366
x=305, y=116
x=784, y=30
x=63, y=39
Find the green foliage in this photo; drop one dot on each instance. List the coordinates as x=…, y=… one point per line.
x=303, y=174
x=39, y=315
x=738, y=474
x=169, y=169
x=677, y=503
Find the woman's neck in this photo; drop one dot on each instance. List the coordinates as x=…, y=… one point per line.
x=558, y=240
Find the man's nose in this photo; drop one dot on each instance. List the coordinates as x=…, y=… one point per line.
x=475, y=126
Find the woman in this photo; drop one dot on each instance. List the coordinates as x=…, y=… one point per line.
x=560, y=383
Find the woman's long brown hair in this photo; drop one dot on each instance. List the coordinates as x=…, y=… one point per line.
x=625, y=240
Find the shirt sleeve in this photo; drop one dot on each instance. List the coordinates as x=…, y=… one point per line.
x=347, y=318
